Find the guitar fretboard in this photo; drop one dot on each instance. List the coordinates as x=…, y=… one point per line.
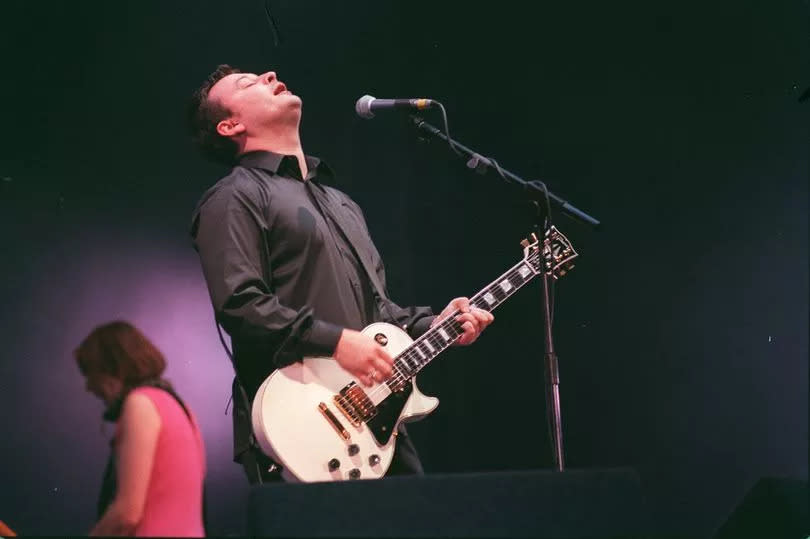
x=438, y=338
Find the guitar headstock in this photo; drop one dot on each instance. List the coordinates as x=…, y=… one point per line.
x=554, y=256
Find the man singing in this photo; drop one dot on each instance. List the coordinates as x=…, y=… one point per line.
x=289, y=263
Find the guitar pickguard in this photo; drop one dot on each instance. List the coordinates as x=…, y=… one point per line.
x=388, y=411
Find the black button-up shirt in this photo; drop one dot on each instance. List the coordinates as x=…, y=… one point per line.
x=284, y=259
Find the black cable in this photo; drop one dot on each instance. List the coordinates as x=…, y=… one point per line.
x=272, y=22
x=230, y=356
x=243, y=393
x=447, y=129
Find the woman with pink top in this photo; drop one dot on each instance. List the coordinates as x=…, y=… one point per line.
x=153, y=485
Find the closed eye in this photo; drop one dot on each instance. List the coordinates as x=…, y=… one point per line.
x=245, y=82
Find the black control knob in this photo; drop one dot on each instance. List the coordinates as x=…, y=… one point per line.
x=333, y=465
x=354, y=473
x=373, y=460
x=353, y=450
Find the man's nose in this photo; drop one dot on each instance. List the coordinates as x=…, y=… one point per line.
x=270, y=76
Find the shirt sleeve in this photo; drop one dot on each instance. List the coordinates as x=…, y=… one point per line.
x=230, y=232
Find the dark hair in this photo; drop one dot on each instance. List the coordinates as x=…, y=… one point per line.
x=118, y=349
x=203, y=115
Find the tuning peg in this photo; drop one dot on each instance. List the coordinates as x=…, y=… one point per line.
x=534, y=237
x=524, y=243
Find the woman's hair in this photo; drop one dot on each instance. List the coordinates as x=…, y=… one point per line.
x=118, y=349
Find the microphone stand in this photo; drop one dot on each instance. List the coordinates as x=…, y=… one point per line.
x=538, y=193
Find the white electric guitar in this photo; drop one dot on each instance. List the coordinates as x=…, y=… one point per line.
x=320, y=424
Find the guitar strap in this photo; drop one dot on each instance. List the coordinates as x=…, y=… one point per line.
x=353, y=241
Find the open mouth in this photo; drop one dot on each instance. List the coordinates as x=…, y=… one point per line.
x=280, y=88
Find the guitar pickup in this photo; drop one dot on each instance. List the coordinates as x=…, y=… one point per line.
x=332, y=420
x=353, y=402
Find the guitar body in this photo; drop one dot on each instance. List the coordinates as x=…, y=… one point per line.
x=292, y=427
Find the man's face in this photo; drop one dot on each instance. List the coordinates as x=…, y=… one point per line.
x=257, y=101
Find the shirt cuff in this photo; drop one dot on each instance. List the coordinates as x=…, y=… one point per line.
x=322, y=338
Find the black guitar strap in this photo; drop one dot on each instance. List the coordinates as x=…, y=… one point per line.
x=353, y=241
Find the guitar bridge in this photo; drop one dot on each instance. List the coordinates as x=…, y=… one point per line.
x=332, y=420
x=353, y=403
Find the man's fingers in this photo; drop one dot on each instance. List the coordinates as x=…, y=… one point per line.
x=466, y=338
x=383, y=369
x=476, y=315
x=383, y=356
x=467, y=319
x=462, y=304
x=483, y=316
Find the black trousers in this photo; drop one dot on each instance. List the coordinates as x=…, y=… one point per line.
x=406, y=462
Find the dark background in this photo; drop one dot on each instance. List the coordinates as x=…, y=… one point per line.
x=682, y=332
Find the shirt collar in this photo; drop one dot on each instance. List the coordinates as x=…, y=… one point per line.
x=285, y=165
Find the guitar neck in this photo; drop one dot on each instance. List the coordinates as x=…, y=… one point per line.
x=438, y=338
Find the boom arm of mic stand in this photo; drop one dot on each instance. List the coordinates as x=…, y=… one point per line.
x=533, y=188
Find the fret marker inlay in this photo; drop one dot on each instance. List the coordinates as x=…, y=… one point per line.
x=524, y=271
x=444, y=334
x=506, y=285
x=489, y=298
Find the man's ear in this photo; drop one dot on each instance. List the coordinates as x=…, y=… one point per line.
x=230, y=128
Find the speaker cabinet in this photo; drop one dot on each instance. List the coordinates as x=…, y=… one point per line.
x=577, y=503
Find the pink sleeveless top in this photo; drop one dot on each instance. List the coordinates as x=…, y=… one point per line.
x=174, y=497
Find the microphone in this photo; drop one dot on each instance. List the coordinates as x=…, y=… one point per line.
x=368, y=103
